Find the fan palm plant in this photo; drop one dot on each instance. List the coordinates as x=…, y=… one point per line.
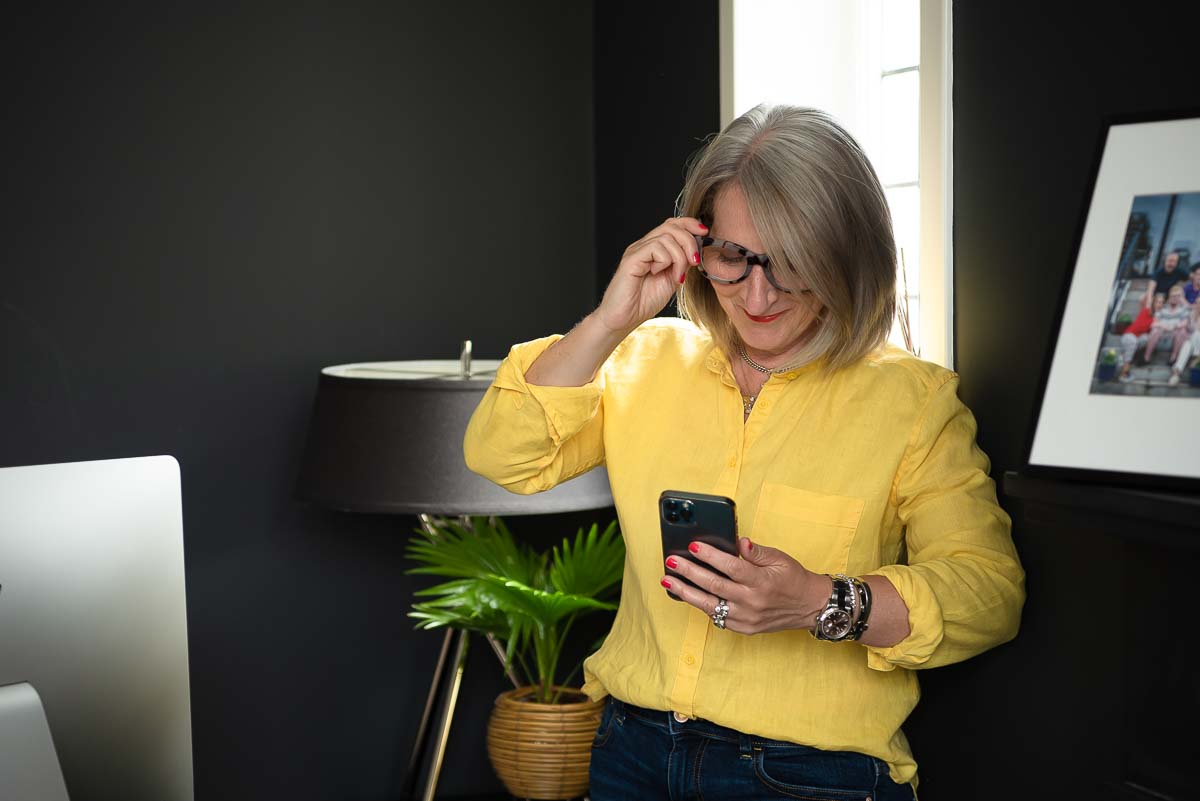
x=525, y=599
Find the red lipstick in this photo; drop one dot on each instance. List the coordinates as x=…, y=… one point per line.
x=767, y=319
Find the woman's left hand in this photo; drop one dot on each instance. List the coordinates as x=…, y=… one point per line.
x=767, y=590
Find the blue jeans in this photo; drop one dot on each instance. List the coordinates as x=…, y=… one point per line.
x=643, y=754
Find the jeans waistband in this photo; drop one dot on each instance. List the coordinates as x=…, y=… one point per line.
x=668, y=723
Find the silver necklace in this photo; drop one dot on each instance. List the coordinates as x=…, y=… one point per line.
x=746, y=358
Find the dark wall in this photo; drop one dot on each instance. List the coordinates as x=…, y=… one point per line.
x=202, y=209
x=1045, y=715
x=657, y=99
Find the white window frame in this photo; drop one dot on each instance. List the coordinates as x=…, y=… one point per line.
x=935, y=174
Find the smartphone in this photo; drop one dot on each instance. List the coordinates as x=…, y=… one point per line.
x=687, y=517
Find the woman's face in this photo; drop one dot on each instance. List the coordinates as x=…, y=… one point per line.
x=773, y=325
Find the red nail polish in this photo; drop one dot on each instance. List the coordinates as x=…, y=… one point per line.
x=683, y=277
x=695, y=258
x=694, y=547
x=672, y=563
x=749, y=545
x=666, y=584
x=702, y=225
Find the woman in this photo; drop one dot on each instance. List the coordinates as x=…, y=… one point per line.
x=853, y=466
x=1190, y=347
x=1138, y=333
x=1172, y=320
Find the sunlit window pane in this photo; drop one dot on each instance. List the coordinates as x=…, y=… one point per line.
x=900, y=34
x=795, y=51
x=914, y=312
x=905, y=203
x=899, y=108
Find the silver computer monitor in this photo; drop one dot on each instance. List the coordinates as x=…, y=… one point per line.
x=93, y=615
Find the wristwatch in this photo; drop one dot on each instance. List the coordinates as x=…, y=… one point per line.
x=836, y=620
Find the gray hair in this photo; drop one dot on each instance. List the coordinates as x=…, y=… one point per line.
x=820, y=211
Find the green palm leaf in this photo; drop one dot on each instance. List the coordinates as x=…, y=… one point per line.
x=592, y=566
x=545, y=609
x=465, y=603
x=453, y=550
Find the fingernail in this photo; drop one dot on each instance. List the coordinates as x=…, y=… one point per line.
x=749, y=544
x=672, y=563
x=666, y=584
x=683, y=277
x=695, y=258
x=705, y=227
x=694, y=547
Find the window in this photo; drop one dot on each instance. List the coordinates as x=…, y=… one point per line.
x=882, y=68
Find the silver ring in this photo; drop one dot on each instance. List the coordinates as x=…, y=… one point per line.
x=720, y=612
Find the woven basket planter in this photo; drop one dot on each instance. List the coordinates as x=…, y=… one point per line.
x=542, y=751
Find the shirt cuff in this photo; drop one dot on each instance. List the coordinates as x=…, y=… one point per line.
x=567, y=409
x=924, y=622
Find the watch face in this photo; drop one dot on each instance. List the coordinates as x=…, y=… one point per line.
x=834, y=623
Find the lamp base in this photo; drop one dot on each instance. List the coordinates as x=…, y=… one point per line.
x=434, y=731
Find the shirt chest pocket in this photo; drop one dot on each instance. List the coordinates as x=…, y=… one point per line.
x=814, y=528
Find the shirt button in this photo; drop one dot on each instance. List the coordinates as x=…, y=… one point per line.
x=681, y=718
x=689, y=660
x=763, y=404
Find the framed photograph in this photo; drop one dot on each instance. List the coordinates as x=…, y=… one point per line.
x=1119, y=397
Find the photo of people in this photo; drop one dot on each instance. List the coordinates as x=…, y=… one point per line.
x=1151, y=342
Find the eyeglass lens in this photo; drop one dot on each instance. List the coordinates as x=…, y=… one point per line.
x=727, y=262
x=723, y=261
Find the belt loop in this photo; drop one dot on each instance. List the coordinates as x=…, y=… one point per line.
x=745, y=751
x=618, y=709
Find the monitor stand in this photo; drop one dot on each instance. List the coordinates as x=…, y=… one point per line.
x=29, y=769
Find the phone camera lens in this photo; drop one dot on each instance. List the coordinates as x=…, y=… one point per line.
x=686, y=512
x=672, y=504
x=672, y=517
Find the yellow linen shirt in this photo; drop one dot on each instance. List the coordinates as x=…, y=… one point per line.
x=871, y=470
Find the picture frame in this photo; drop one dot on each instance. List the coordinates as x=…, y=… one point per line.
x=1118, y=399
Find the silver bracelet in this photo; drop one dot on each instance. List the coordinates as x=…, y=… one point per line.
x=852, y=594
x=863, y=621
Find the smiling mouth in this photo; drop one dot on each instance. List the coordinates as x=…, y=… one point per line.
x=766, y=319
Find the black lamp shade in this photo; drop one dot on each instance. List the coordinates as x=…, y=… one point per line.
x=387, y=437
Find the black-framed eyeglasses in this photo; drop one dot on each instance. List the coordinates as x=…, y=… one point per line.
x=725, y=262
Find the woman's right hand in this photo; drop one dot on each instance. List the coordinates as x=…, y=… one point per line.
x=649, y=273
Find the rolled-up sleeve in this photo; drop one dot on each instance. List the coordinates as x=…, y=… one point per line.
x=529, y=438
x=963, y=583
